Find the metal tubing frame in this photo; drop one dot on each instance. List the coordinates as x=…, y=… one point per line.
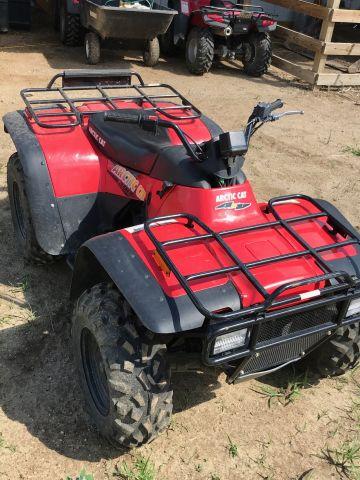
x=341, y=291
x=72, y=110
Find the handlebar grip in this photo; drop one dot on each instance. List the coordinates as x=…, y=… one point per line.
x=122, y=117
x=277, y=104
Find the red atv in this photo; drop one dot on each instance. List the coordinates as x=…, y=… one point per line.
x=174, y=261
x=220, y=29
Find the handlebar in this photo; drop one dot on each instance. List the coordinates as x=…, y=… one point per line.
x=276, y=104
x=263, y=112
x=151, y=123
x=114, y=116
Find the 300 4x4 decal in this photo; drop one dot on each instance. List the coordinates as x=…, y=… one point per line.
x=128, y=180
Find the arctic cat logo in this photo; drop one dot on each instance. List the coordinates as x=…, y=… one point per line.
x=97, y=137
x=230, y=197
x=232, y=206
x=129, y=181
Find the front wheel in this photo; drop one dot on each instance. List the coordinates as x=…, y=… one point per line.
x=151, y=53
x=257, y=54
x=199, y=50
x=339, y=353
x=123, y=369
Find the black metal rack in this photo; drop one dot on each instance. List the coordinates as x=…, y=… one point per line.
x=63, y=98
x=337, y=280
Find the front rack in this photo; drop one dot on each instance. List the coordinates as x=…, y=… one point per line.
x=63, y=98
x=337, y=280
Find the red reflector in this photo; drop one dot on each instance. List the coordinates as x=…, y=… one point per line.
x=267, y=23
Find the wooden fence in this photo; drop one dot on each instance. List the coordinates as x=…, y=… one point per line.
x=322, y=46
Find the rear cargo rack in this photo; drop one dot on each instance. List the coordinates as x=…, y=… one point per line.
x=87, y=82
x=337, y=280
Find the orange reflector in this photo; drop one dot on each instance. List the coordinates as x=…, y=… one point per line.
x=161, y=264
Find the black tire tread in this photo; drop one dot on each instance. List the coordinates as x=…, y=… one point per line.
x=30, y=247
x=94, y=53
x=340, y=353
x=151, y=53
x=136, y=368
x=263, y=52
x=71, y=36
x=205, y=53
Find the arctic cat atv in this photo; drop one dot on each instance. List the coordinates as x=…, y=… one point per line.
x=174, y=261
x=220, y=29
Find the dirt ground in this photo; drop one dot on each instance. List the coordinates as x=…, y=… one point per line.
x=44, y=431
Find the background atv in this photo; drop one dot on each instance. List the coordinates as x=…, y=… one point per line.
x=220, y=29
x=174, y=261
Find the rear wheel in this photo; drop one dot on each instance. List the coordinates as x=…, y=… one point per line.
x=257, y=54
x=123, y=369
x=21, y=215
x=70, y=27
x=338, y=354
x=199, y=50
x=151, y=53
x=92, y=48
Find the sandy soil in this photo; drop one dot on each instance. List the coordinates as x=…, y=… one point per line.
x=44, y=431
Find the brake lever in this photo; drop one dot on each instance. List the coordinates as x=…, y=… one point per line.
x=283, y=114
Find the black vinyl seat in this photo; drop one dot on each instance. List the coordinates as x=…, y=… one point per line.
x=143, y=151
x=128, y=144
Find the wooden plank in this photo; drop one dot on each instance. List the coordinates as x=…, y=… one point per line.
x=317, y=11
x=335, y=48
x=354, y=67
x=293, y=69
x=326, y=33
x=346, y=16
x=298, y=38
x=338, y=79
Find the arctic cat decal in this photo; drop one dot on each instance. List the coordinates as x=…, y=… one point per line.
x=232, y=206
x=97, y=137
x=129, y=181
x=230, y=196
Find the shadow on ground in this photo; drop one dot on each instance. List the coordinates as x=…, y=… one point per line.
x=38, y=381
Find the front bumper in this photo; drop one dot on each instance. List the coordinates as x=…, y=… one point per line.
x=279, y=337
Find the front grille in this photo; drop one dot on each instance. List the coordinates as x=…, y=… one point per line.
x=297, y=322
x=283, y=353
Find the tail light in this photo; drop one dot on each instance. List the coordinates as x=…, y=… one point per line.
x=267, y=23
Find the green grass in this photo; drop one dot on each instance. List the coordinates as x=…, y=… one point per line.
x=284, y=395
x=353, y=150
x=142, y=469
x=82, y=476
x=232, y=448
x=345, y=458
x=5, y=445
x=214, y=476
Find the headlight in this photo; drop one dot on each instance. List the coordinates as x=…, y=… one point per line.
x=229, y=341
x=354, y=307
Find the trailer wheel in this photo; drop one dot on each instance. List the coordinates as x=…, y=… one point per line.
x=123, y=369
x=339, y=353
x=257, y=55
x=21, y=216
x=70, y=27
x=92, y=48
x=151, y=53
x=199, y=50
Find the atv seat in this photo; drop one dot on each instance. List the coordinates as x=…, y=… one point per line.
x=142, y=151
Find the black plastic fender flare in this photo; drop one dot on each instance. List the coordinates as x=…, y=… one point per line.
x=111, y=256
x=42, y=202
